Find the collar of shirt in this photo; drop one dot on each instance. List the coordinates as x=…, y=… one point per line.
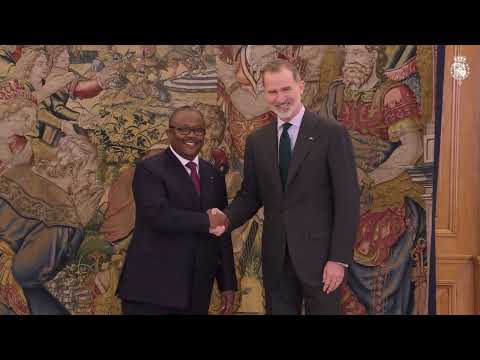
x=185, y=161
x=296, y=121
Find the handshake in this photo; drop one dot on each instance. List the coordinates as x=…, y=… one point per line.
x=218, y=221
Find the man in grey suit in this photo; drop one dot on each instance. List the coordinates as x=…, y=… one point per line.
x=301, y=169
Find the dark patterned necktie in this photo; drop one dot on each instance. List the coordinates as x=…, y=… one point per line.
x=194, y=175
x=284, y=154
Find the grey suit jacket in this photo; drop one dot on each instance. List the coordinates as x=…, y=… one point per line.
x=318, y=214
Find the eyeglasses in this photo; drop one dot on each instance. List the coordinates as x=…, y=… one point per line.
x=187, y=131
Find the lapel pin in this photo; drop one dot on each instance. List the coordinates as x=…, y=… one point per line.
x=311, y=138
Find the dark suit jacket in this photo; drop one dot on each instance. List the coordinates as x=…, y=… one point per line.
x=171, y=240
x=318, y=213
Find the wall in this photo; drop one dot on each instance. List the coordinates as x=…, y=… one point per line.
x=457, y=223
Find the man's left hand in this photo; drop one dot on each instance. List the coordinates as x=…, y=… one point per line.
x=333, y=275
x=228, y=298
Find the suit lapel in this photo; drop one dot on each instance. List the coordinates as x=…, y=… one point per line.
x=206, y=183
x=183, y=178
x=271, y=153
x=304, y=144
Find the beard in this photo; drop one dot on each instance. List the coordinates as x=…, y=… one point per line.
x=292, y=108
x=355, y=75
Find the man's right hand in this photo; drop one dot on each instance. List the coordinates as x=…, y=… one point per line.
x=218, y=221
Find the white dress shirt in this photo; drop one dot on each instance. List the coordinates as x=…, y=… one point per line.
x=293, y=130
x=186, y=161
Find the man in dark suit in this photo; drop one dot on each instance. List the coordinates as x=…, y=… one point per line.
x=301, y=169
x=173, y=258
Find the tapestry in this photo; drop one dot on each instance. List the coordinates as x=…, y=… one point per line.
x=74, y=120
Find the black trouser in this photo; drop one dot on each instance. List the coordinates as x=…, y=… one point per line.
x=199, y=306
x=138, y=308
x=287, y=295
x=200, y=300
